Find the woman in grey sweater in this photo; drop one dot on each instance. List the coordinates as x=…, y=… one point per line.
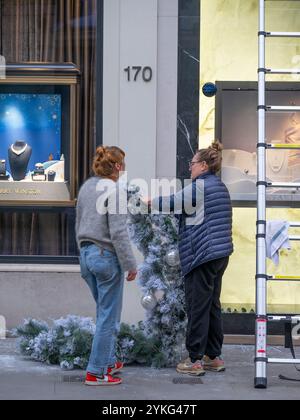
x=105, y=254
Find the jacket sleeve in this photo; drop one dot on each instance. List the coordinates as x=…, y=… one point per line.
x=183, y=202
x=117, y=222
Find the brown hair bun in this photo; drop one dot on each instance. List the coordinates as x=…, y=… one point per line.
x=101, y=152
x=105, y=160
x=217, y=146
x=212, y=156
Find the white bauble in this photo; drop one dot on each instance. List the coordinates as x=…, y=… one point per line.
x=159, y=295
x=172, y=258
x=149, y=302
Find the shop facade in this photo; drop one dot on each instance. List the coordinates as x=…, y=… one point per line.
x=130, y=73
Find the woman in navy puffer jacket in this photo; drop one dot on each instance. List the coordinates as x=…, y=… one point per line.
x=205, y=247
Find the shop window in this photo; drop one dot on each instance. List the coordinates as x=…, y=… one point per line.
x=47, y=124
x=236, y=127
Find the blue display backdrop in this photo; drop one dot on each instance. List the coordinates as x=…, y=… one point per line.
x=35, y=119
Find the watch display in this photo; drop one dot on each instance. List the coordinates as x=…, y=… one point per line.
x=39, y=173
x=2, y=167
x=3, y=173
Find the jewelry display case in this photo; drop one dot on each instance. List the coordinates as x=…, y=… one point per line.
x=39, y=135
x=236, y=127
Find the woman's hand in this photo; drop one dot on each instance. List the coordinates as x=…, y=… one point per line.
x=147, y=201
x=131, y=275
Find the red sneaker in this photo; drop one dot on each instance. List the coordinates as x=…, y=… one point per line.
x=105, y=380
x=115, y=369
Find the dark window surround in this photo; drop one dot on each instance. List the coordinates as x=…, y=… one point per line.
x=99, y=83
x=188, y=82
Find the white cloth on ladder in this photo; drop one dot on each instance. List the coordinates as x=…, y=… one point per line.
x=277, y=238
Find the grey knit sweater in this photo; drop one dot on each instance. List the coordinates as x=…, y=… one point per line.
x=99, y=220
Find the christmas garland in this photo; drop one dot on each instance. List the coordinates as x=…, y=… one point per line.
x=157, y=341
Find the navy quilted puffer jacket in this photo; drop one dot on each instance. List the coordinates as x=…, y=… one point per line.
x=212, y=239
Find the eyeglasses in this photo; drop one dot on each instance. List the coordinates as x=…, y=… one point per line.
x=191, y=163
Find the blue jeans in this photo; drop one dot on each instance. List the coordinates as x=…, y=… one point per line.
x=102, y=272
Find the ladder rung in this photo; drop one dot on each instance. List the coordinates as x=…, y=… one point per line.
x=282, y=71
x=272, y=108
x=284, y=278
x=283, y=34
x=294, y=224
x=285, y=361
x=287, y=146
x=294, y=238
x=290, y=318
x=283, y=185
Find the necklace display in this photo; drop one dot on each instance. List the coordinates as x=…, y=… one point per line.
x=18, y=152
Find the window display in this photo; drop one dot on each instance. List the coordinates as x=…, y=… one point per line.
x=38, y=127
x=237, y=128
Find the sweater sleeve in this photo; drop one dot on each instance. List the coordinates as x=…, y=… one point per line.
x=117, y=222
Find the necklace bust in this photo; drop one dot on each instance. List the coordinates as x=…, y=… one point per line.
x=19, y=155
x=19, y=148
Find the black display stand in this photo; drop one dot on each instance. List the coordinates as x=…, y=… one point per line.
x=19, y=155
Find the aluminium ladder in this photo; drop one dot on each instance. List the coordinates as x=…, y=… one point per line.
x=262, y=318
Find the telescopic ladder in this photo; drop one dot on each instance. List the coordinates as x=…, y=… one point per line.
x=262, y=278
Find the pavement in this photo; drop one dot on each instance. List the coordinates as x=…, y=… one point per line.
x=23, y=379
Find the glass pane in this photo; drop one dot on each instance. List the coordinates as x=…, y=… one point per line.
x=283, y=15
x=283, y=53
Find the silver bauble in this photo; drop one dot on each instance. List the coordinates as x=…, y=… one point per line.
x=159, y=295
x=134, y=210
x=172, y=258
x=133, y=189
x=149, y=302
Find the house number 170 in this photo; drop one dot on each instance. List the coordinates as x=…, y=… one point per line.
x=134, y=72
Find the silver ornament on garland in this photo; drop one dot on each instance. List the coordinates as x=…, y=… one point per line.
x=134, y=208
x=133, y=189
x=149, y=302
x=172, y=258
x=159, y=295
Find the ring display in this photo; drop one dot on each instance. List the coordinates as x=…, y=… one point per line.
x=51, y=176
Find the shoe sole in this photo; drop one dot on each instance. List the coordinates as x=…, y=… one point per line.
x=191, y=373
x=217, y=370
x=87, y=383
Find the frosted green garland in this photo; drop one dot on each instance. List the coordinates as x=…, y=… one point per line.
x=158, y=341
